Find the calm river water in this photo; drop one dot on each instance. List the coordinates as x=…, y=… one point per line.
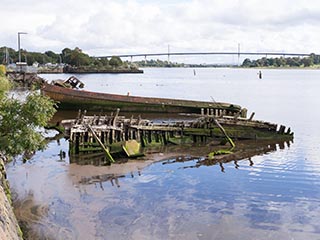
x=275, y=195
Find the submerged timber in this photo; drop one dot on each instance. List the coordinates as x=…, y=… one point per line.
x=73, y=99
x=116, y=134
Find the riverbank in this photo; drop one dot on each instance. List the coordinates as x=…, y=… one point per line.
x=88, y=69
x=85, y=71
x=315, y=67
x=9, y=228
x=74, y=70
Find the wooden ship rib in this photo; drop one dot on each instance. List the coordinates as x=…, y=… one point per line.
x=114, y=133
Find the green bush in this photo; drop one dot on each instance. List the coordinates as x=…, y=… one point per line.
x=2, y=70
x=20, y=122
x=4, y=86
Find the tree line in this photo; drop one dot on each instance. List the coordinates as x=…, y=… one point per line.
x=158, y=63
x=68, y=56
x=169, y=64
x=309, y=61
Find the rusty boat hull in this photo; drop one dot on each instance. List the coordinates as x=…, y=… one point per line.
x=73, y=99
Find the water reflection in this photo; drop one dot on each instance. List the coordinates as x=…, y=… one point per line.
x=173, y=193
x=43, y=221
x=96, y=159
x=112, y=178
x=245, y=150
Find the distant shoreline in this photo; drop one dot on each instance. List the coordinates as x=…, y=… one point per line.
x=135, y=71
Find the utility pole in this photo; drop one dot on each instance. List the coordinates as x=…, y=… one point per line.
x=19, y=33
x=168, y=53
x=7, y=56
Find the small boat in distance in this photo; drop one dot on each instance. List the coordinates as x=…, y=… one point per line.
x=70, y=98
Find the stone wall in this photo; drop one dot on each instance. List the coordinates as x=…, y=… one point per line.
x=9, y=228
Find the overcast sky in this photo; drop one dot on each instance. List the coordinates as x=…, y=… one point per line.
x=104, y=27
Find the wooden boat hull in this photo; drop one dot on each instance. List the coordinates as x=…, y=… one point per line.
x=71, y=99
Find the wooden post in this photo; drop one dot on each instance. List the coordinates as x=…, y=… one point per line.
x=251, y=117
x=78, y=117
x=82, y=116
x=98, y=118
x=77, y=143
x=143, y=139
x=111, y=136
x=119, y=135
x=157, y=139
x=282, y=129
x=107, y=138
x=288, y=131
x=102, y=137
x=134, y=134
x=116, y=117
x=149, y=136
x=244, y=112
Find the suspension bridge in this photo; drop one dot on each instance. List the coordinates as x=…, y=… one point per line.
x=236, y=53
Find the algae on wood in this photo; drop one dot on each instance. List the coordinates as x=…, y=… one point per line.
x=132, y=148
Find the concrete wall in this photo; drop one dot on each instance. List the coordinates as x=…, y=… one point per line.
x=9, y=228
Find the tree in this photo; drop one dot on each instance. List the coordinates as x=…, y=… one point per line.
x=246, y=63
x=115, y=61
x=53, y=57
x=75, y=57
x=20, y=121
x=306, y=61
x=104, y=61
x=315, y=58
x=66, y=52
x=78, y=58
x=293, y=62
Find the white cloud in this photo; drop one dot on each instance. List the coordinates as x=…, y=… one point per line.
x=131, y=26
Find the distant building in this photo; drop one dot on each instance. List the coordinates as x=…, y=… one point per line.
x=21, y=67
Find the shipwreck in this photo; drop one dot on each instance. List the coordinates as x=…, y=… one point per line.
x=114, y=134
x=206, y=122
x=70, y=97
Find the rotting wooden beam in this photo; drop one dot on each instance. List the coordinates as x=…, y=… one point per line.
x=224, y=132
x=106, y=150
